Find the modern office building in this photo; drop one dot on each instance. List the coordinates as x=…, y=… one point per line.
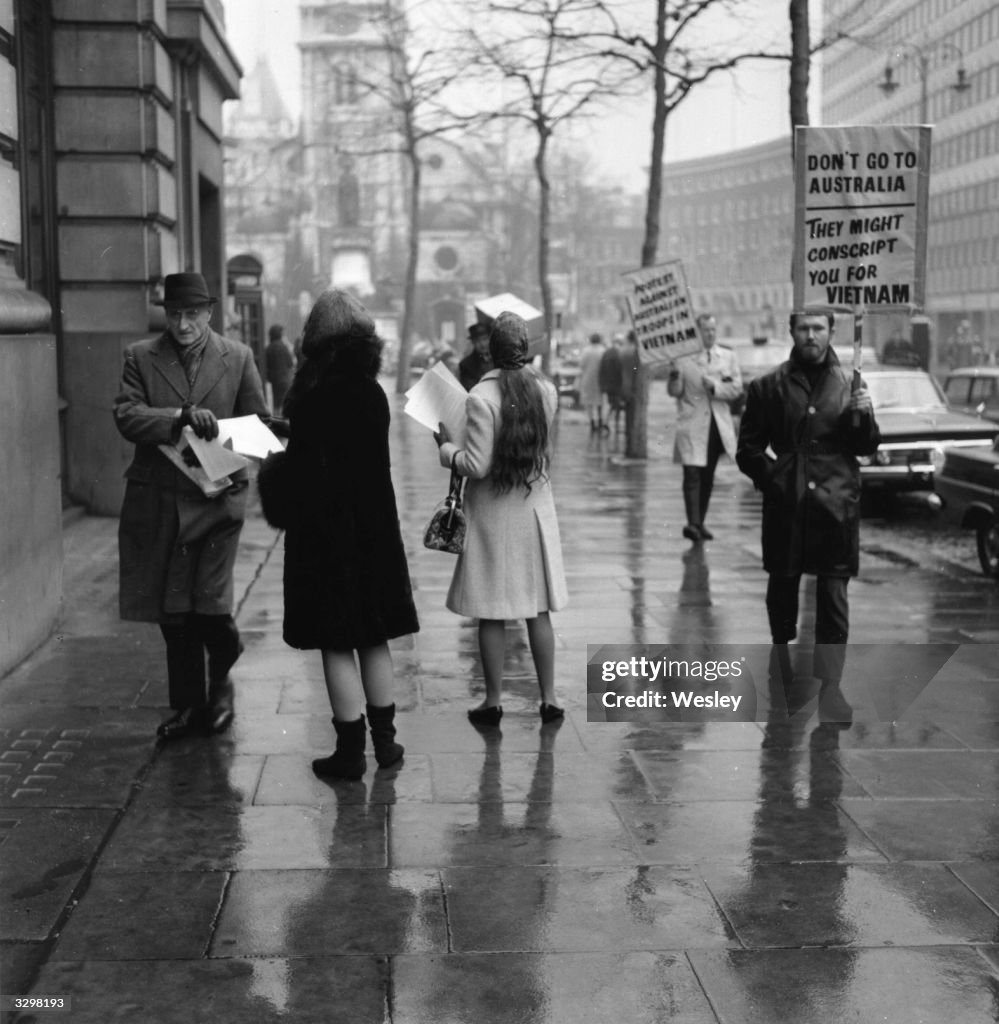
x=729, y=218
x=934, y=62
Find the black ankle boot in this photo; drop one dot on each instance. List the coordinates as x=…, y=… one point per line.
x=380, y=720
x=347, y=761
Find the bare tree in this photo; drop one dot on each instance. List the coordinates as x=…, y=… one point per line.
x=801, y=59
x=549, y=68
x=676, y=65
x=415, y=86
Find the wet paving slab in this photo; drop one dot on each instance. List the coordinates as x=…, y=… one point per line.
x=759, y=872
x=802, y=986
x=46, y=853
x=339, y=990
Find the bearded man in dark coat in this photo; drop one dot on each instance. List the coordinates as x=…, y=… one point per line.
x=815, y=424
x=177, y=546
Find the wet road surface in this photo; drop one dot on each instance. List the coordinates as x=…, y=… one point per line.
x=783, y=869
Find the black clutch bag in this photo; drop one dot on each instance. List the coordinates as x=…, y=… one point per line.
x=276, y=487
x=446, y=529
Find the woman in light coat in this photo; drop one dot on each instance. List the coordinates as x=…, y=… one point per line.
x=511, y=565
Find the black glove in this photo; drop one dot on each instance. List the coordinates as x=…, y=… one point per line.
x=201, y=421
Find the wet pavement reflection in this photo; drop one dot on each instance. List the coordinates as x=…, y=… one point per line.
x=833, y=857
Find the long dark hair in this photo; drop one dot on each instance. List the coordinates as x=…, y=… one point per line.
x=521, y=454
x=339, y=336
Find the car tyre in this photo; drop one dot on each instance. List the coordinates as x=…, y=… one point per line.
x=988, y=548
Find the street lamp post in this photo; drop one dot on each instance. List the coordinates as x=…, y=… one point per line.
x=905, y=52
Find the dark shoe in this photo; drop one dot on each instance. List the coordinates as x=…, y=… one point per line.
x=186, y=722
x=347, y=761
x=692, y=532
x=706, y=534
x=486, y=716
x=220, y=710
x=833, y=705
x=381, y=724
x=551, y=713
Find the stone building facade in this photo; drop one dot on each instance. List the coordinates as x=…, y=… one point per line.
x=111, y=177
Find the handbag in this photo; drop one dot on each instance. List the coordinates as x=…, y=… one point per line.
x=276, y=487
x=446, y=529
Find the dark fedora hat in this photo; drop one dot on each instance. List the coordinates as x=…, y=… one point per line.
x=186, y=289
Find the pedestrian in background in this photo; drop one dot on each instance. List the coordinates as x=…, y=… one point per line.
x=590, y=394
x=442, y=352
x=611, y=380
x=631, y=370
x=806, y=413
x=279, y=365
x=704, y=385
x=511, y=564
x=477, y=362
x=177, y=547
x=347, y=590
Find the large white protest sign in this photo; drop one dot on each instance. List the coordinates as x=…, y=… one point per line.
x=861, y=195
x=662, y=313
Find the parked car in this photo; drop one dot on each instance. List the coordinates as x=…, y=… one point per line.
x=759, y=357
x=974, y=390
x=565, y=374
x=967, y=484
x=915, y=423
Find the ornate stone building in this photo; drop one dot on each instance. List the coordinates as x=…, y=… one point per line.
x=110, y=178
x=354, y=228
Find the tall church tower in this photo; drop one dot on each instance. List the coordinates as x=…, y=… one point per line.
x=353, y=168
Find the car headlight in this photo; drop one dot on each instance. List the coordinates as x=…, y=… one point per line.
x=938, y=458
x=864, y=460
x=883, y=457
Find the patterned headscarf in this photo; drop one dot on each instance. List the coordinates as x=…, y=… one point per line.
x=508, y=342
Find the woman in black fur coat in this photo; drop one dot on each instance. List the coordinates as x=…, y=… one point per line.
x=346, y=581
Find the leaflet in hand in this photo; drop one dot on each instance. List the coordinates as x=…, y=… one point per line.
x=201, y=464
x=249, y=435
x=438, y=397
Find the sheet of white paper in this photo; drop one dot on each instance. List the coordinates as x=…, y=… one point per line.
x=438, y=397
x=249, y=435
x=216, y=460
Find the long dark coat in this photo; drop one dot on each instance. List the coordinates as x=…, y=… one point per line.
x=346, y=580
x=176, y=547
x=811, y=490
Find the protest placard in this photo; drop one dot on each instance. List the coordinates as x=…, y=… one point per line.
x=861, y=195
x=662, y=313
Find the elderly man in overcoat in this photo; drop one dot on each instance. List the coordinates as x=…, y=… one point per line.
x=802, y=430
x=177, y=546
x=704, y=386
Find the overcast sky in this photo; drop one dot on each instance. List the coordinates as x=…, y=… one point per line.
x=728, y=112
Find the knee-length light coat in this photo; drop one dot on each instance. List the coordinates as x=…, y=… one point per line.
x=695, y=408
x=511, y=565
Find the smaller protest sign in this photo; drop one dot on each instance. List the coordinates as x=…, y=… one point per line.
x=662, y=313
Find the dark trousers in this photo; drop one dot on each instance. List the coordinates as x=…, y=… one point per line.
x=187, y=644
x=832, y=619
x=698, y=481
